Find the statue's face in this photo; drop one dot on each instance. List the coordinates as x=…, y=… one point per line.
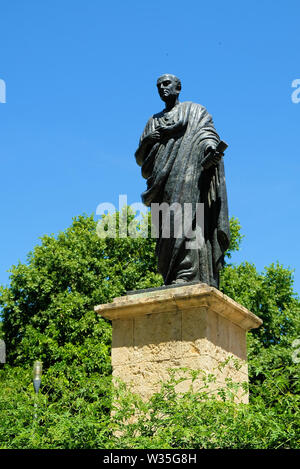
x=167, y=87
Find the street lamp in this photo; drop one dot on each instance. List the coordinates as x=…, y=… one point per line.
x=37, y=375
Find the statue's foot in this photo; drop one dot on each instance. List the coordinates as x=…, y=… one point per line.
x=178, y=281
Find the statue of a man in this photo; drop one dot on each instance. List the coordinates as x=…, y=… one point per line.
x=172, y=150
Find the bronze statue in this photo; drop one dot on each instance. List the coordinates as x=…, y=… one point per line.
x=181, y=157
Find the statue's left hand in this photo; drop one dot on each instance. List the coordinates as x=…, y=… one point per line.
x=214, y=156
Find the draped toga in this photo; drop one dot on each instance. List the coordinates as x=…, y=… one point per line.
x=175, y=174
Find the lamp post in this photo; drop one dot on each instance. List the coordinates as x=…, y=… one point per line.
x=37, y=376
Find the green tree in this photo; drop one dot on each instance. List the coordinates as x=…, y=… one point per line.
x=273, y=373
x=48, y=314
x=48, y=311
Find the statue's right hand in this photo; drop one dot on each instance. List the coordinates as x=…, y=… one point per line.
x=154, y=136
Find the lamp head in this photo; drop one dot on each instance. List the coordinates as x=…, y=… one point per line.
x=37, y=375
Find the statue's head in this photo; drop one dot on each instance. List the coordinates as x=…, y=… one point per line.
x=169, y=87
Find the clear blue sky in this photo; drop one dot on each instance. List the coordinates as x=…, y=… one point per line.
x=80, y=78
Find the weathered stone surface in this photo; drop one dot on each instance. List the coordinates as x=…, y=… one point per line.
x=180, y=299
x=122, y=341
x=195, y=327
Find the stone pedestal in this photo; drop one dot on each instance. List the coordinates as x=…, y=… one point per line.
x=193, y=326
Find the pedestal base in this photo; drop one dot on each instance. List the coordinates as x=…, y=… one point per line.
x=194, y=326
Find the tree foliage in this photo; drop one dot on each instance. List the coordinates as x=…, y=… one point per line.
x=48, y=314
